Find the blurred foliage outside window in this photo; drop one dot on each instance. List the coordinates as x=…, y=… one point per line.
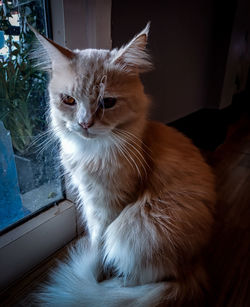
x=21, y=85
x=22, y=109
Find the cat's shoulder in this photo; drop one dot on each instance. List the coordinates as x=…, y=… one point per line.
x=160, y=132
x=170, y=149
x=168, y=141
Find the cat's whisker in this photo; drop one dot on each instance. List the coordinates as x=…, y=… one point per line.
x=130, y=138
x=132, y=151
x=41, y=143
x=141, y=146
x=126, y=154
x=44, y=140
x=133, y=136
x=39, y=136
x=125, y=151
x=128, y=141
x=120, y=150
x=139, y=165
x=44, y=148
x=129, y=153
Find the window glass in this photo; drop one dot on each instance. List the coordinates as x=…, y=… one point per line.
x=29, y=178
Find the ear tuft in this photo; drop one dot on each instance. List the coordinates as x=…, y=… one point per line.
x=48, y=54
x=133, y=58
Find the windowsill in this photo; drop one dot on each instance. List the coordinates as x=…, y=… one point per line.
x=25, y=246
x=20, y=293
x=42, y=196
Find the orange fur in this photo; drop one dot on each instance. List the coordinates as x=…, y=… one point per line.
x=145, y=191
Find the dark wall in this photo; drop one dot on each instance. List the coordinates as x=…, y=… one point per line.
x=186, y=47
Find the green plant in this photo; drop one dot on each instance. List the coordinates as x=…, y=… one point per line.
x=20, y=88
x=21, y=85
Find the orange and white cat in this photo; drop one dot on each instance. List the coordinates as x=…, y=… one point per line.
x=145, y=192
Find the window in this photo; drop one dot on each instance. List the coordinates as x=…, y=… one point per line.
x=76, y=24
x=29, y=180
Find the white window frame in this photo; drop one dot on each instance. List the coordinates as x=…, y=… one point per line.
x=25, y=246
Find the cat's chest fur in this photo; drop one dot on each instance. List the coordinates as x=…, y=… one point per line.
x=95, y=171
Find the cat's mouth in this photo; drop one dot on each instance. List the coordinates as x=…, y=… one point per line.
x=83, y=132
x=86, y=133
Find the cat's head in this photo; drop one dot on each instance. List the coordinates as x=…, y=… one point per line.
x=93, y=92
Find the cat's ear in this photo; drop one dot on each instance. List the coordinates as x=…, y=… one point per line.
x=49, y=55
x=133, y=57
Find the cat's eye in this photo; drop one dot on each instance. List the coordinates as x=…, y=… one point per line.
x=107, y=103
x=68, y=100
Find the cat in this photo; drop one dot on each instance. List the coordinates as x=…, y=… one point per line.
x=145, y=192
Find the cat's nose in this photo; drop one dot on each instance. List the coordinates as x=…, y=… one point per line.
x=86, y=125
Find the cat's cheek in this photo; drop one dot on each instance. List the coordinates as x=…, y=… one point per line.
x=72, y=127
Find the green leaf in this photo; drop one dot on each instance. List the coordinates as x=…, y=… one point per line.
x=23, y=66
x=16, y=45
x=15, y=52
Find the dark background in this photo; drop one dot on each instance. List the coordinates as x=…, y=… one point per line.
x=200, y=50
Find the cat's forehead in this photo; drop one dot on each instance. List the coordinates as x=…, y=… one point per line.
x=92, y=60
x=88, y=69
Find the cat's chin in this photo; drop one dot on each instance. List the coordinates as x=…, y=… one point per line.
x=87, y=135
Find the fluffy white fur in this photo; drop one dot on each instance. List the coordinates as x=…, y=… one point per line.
x=144, y=190
x=76, y=284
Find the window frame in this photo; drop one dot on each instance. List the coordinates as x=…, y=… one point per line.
x=26, y=245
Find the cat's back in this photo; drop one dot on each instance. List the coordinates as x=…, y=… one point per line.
x=166, y=138
x=168, y=143
x=176, y=162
